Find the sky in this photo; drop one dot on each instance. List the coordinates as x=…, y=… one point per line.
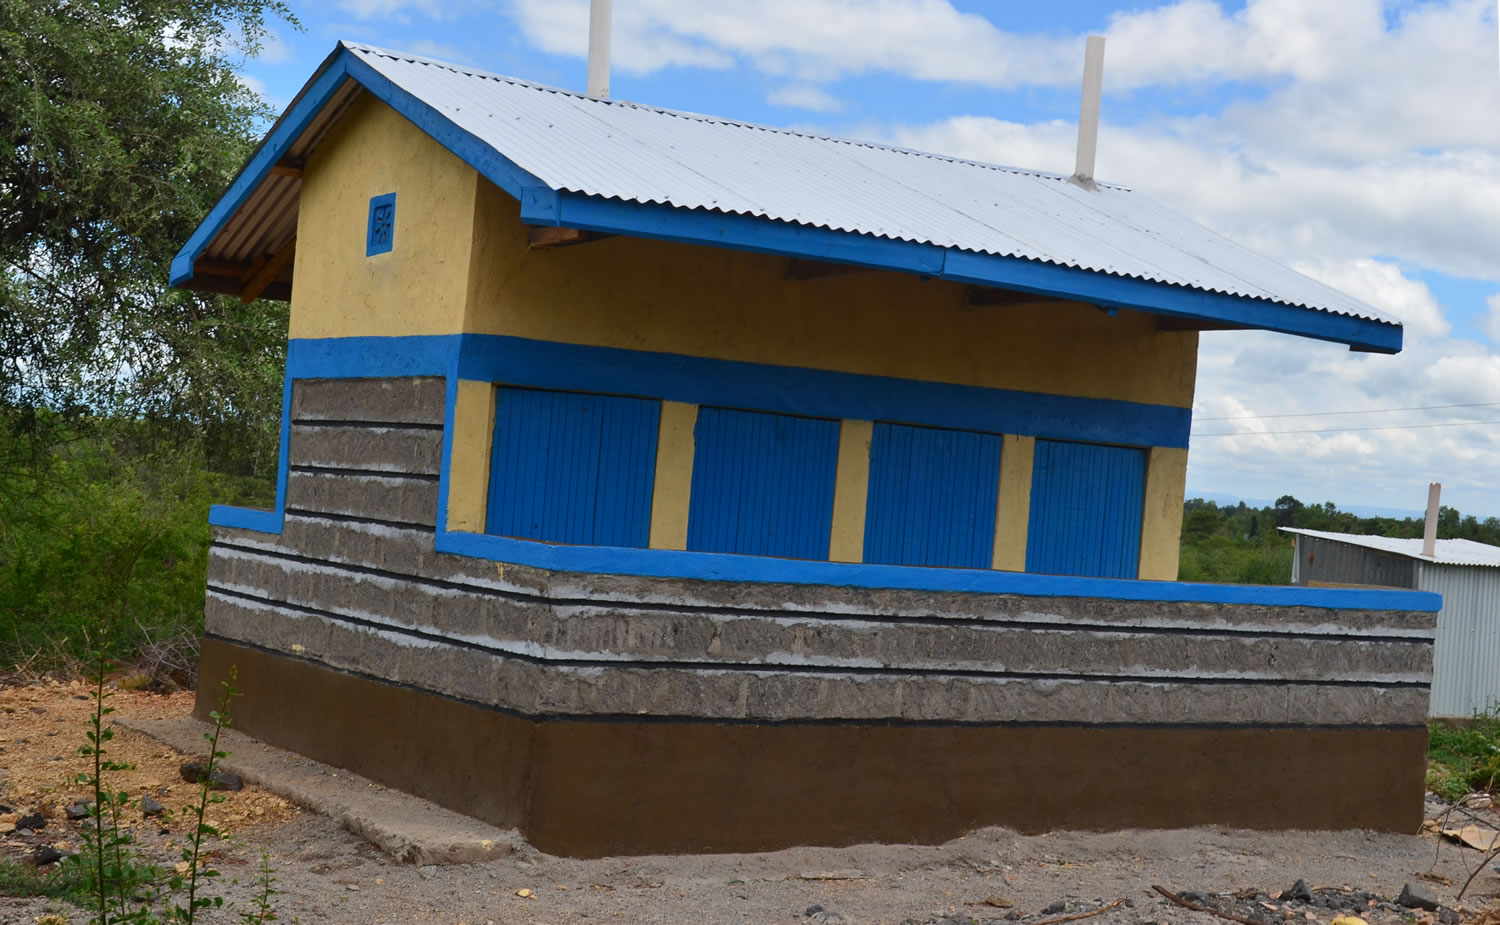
x=1355, y=140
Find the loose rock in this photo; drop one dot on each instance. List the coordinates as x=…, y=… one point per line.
x=192, y=772
x=46, y=854
x=34, y=821
x=1417, y=896
x=1060, y=906
x=150, y=806
x=1298, y=891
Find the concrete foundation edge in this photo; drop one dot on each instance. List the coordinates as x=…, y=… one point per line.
x=595, y=788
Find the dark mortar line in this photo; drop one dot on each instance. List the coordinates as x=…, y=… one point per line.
x=676, y=719
x=779, y=668
x=362, y=473
x=349, y=518
x=719, y=610
x=366, y=425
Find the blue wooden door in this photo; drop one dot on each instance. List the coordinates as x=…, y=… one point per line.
x=1086, y=505
x=932, y=497
x=762, y=484
x=573, y=468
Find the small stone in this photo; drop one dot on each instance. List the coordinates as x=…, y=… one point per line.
x=812, y=910
x=1447, y=916
x=1013, y=916
x=192, y=772
x=34, y=821
x=1417, y=896
x=46, y=854
x=1298, y=891
x=825, y=917
x=151, y=806
x=79, y=811
x=25, y=833
x=228, y=780
x=1060, y=906
x=998, y=901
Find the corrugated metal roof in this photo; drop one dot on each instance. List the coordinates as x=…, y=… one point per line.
x=1446, y=552
x=622, y=150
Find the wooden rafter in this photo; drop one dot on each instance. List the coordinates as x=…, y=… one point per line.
x=265, y=270
x=545, y=236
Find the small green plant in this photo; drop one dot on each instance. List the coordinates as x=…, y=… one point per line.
x=112, y=878
x=1464, y=758
x=193, y=854
x=265, y=880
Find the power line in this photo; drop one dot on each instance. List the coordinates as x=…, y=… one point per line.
x=1343, y=430
x=1314, y=414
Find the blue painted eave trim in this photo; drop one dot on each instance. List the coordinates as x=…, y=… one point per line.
x=729, y=567
x=542, y=205
x=244, y=518
x=745, y=232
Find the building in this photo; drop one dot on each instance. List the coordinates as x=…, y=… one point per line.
x=1466, y=653
x=657, y=482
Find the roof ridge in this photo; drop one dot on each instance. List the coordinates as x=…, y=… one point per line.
x=706, y=117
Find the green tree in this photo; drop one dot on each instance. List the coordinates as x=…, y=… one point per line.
x=120, y=123
x=124, y=406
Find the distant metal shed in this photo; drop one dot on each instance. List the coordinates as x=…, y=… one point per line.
x=1466, y=651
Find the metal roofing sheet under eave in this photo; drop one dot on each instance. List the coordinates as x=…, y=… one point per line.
x=1446, y=552
x=625, y=151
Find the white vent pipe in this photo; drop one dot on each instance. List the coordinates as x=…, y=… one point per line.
x=599, y=30
x=1429, y=534
x=1088, y=113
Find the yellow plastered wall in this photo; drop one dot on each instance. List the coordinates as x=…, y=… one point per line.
x=735, y=305
x=851, y=491
x=469, y=460
x=1013, y=503
x=674, y=475
x=1161, y=520
x=422, y=285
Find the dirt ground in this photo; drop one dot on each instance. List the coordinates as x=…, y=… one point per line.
x=324, y=874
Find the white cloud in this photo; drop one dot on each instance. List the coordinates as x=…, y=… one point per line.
x=803, y=96
x=442, y=52
x=396, y=9
x=273, y=49
x=1492, y=322
x=1383, y=286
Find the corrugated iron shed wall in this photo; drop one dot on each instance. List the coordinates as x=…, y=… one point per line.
x=1466, y=660
x=1323, y=560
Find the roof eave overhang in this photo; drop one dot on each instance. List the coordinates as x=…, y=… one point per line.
x=543, y=205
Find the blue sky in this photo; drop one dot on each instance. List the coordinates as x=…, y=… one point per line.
x=1357, y=140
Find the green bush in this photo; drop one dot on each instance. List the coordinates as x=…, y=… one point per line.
x=96, y=530
x=1463, y=759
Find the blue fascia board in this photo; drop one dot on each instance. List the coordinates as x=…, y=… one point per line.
x=309, y=102
x=542, y=205
x=705, y=566
x=343, y=64
x=755, y=233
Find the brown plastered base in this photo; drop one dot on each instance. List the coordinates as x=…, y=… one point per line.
x=589, y=789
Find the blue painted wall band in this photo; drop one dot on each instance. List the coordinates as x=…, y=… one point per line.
x=446, y=356
x=814, y=392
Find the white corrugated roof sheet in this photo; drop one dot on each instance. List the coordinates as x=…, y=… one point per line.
x=1446, y=552
x=626, y=151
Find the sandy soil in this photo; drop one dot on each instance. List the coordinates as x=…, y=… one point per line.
x=325, y=874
